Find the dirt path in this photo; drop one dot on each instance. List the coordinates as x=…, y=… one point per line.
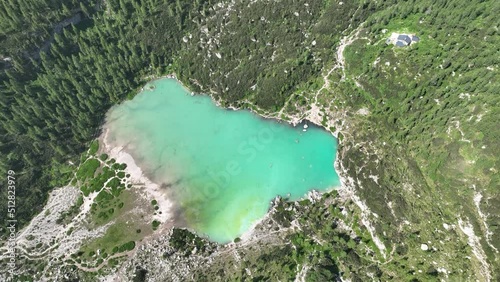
x=340, y=64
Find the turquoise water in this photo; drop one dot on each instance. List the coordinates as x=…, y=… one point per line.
x=221, y=167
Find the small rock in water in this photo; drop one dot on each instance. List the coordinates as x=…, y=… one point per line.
x=306, y=126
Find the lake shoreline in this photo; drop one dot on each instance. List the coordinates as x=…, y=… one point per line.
x=294, y=121
x=139, y=178
x=121, y=155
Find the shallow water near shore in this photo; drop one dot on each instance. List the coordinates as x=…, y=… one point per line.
x=220, y=167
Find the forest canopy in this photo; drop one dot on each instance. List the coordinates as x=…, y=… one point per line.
x=431, y=110
x=60, y=75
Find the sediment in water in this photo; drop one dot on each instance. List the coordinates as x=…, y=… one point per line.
x=220, y=169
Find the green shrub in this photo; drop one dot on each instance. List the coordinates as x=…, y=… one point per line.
x=113, y=183
x=87, y=169
x=94, y=147
x=155, y=224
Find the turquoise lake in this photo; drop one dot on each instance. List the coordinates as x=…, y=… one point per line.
x=220, y=167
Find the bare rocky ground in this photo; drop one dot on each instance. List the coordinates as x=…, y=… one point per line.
x=45, y=239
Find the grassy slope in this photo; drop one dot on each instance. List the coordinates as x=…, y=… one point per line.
x=407, y=157
x=436, y=109
x=430, y=137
